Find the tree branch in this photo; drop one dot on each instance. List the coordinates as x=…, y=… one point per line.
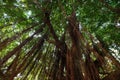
x=116, y=10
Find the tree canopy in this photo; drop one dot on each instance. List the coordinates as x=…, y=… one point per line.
x=59, y=40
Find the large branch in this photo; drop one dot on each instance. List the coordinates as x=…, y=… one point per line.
x=7, y=41
x=16, y=49
x=60, y=44
x=47, y=20
x=116, y=10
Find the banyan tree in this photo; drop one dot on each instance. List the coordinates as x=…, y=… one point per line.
x=59, y=40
